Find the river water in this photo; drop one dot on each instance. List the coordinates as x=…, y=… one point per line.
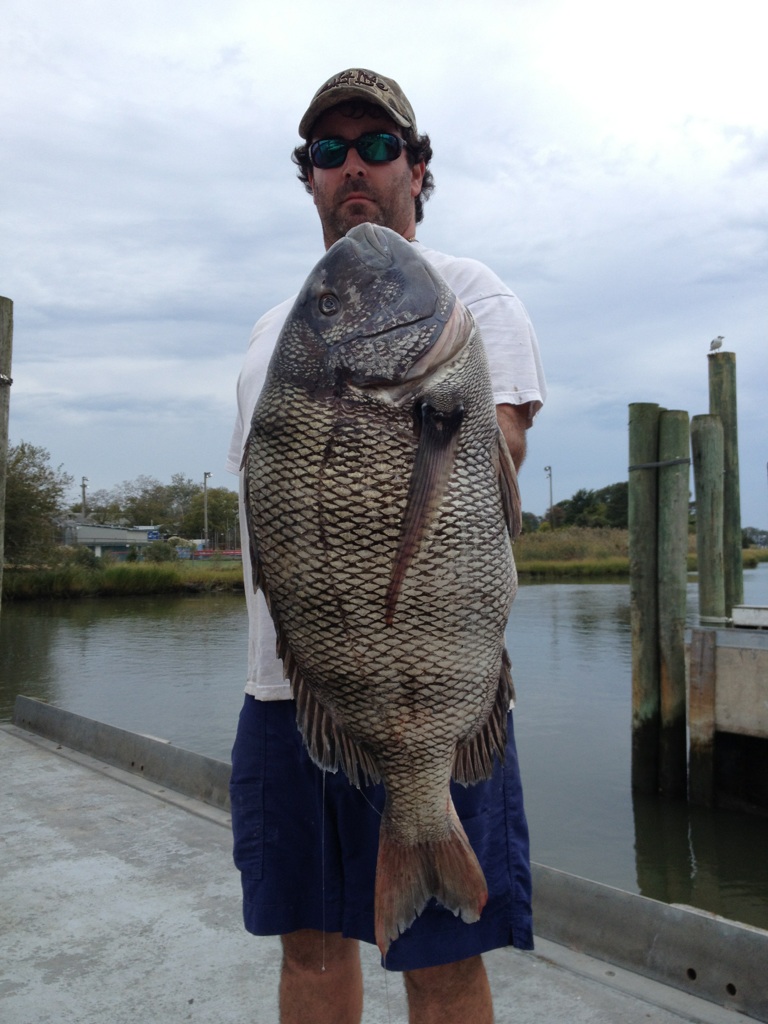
x=174, y=667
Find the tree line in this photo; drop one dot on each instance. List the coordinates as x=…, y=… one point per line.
x=606, y=508
x=176, y=509
x=36, y=499
x=36, y=496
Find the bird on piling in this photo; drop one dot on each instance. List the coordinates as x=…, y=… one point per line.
x=716, y=343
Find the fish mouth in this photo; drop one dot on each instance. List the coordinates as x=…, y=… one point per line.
x=372, y=244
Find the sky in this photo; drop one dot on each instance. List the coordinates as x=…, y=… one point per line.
x=608, y=160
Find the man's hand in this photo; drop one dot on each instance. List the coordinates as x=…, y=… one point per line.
x=514, y=420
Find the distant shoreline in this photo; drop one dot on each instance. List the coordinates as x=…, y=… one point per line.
x=564, y=558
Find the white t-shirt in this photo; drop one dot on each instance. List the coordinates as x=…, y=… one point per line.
x=516, y=374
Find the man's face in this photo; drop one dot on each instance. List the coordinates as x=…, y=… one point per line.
x=358, y=191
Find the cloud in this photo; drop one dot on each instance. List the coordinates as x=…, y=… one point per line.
x=609, y=164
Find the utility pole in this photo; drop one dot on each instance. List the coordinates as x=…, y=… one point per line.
x=548, y=471
x=205, y=509
x=6, y=349
x=83, y=482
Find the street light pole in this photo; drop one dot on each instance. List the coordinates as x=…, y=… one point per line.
x=205, y=510
x=548, y=471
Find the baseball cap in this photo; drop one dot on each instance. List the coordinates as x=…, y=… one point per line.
x=359, y=84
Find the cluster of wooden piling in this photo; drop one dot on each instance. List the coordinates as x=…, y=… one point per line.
x=660, y=444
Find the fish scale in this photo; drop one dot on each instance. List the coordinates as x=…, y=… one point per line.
x=378, y=501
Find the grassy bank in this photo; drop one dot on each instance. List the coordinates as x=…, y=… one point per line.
x=121, y=580
x=573, y=553
x=579, y=552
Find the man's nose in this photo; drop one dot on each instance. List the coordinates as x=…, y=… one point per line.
x=354, y=163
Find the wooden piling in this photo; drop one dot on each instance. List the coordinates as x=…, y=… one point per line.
x=701, y=716
x=707, y=445
x=722, y=403
x=6, y=350
x=643, y=599
x=673, y=494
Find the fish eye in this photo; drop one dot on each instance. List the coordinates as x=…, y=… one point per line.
x=328, y=304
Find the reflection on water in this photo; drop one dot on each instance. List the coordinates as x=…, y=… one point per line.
x=174, y=667
x=168, y=666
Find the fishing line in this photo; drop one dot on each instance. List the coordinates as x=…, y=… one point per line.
x=386, y=989
x=373, y=806
x=322, y=870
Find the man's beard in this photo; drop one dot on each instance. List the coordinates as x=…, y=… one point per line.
x=338, y=216
x=345, y=215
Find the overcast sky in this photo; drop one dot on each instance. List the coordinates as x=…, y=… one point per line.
x=608, y=160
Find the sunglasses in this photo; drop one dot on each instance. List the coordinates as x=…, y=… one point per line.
x=373, y=147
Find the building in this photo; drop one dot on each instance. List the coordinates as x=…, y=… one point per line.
x=102, y=538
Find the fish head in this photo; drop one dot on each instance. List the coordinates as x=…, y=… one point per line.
x=371, y=311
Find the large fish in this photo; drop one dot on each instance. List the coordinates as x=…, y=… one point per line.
x=381, y=500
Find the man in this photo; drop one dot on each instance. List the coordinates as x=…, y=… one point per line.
x=306, y=844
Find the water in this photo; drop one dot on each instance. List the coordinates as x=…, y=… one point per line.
x=174, y=668
x=571, y=652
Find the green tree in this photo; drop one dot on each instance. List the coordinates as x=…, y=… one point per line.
x=181, y=492
x=222, y=517
x=103, y=506
x=531, y=522
x=607, y=507
x=160, y=551
x=144, y=502
x=34, y=496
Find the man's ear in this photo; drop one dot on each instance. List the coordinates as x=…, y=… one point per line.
x=417, y=177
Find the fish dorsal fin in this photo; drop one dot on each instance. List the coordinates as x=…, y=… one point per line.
x=432, y=467
x=474, y=758
x=510, y=492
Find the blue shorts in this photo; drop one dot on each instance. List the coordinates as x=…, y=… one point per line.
x=302, y=868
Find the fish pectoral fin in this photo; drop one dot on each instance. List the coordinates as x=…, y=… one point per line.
x=432, y=468
x=473, y=760
x=510, y=491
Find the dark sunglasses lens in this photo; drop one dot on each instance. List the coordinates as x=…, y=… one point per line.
x=328, y=152
x=380, y=147
x=374, y=148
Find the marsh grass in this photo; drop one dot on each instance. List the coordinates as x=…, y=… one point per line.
x=571, y=553
x=121, y=579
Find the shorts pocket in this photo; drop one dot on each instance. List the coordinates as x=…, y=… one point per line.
x=247, y=801
x=246, y=790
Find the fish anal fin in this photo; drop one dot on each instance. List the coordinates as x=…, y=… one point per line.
x=408, y=876
x=432, y=467
x=329, y=746
x=510, y=491
x=475, y=756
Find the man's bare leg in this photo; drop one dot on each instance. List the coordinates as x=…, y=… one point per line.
x=309, y=993
x=450, y=994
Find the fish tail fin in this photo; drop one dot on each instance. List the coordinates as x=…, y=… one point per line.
x=407, y=876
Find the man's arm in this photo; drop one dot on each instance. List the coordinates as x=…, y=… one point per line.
x=514, y=420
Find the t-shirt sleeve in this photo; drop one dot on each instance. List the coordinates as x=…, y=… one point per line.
x=513, y=350
x=517, y=374
x=251, y=380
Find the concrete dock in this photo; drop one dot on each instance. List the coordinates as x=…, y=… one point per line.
x=119, y=903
